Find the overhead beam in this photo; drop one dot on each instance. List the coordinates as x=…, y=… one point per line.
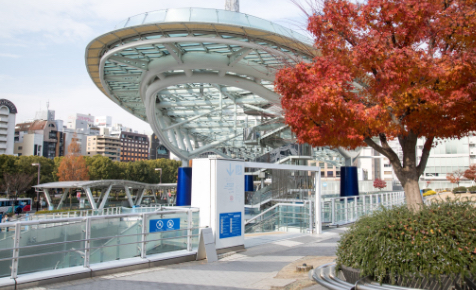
x=191, y=119
x=174, y=51
x=238, y=55
x=136, y=63
x=263, y=110
x=129, y=78
x=213, y=144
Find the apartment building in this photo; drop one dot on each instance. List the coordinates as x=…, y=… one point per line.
x=8, y=112
x=105, y=146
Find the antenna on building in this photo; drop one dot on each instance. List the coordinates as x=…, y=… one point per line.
x=48, y=105
x=232, y=5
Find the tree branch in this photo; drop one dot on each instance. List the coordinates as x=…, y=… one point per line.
x=424, y=156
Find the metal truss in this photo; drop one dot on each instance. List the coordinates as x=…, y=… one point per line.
x=201, y=87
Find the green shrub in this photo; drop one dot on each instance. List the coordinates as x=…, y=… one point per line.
x=472, y=188
x=459, y=188
x=440, y=239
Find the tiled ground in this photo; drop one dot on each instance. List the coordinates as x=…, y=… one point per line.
x=253, y=269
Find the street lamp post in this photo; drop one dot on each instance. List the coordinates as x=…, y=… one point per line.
x=159, y=169
x=37, y=189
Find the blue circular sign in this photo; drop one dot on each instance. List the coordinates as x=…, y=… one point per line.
x=160, y=225
x=170, y=224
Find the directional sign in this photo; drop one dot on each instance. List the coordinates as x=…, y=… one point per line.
x=163, y=225
x=230, y=225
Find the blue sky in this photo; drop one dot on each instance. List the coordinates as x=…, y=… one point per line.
x=42, y=45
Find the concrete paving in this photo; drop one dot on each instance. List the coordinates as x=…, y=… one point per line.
x=255, y=268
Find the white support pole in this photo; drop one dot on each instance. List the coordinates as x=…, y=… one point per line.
x=87, y=242
x=317, y=203
x=106, y=196
x=310, y=216
x=16, y=250
x=346, y=209
x=333, y=211
x=143, y=253
x=364, y=205
x=189, y=230
x=48, y=198
x=91, y=198
x=139, y=196
x=129, y=197
x=63, y=197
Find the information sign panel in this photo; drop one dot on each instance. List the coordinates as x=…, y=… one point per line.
x=162, y=225
x=230, y=225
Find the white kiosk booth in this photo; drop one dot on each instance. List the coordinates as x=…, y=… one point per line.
x=218, y=190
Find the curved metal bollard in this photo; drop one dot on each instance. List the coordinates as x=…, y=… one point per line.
x=325, y=276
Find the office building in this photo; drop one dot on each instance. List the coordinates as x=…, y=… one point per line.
x=104, y=145
x=134, y=146
x=157, y=149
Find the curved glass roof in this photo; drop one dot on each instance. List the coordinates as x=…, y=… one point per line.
x=205, y=15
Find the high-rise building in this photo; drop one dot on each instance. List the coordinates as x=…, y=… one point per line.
x=134, y=146
x=8, y=112
x=105, y=146
x=157, y=149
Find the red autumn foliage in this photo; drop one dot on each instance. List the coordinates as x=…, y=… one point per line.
x=379, y=183
x=455, y=176
x=386, y=70
x=470, y=173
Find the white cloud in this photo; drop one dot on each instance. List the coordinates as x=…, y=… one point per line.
x=10, y=55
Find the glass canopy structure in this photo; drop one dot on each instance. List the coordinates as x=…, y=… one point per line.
x=202, y=78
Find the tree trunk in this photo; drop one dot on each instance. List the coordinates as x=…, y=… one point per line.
x=407, y=170
x=412, y=193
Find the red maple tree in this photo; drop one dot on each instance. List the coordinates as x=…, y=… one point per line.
x=470, y=173
x=386, y=70
x=73, y=166
x=379, y=183
x=455, y=176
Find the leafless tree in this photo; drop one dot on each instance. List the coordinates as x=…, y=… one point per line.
x=16, y=183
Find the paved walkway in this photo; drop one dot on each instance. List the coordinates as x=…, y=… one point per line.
x=256, y=268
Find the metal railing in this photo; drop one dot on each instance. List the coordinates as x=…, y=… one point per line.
x=282, y=217
x=344, y=210
x=28, y=246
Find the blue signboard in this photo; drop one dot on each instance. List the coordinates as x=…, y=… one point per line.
x=163, y=225
x=230, y=225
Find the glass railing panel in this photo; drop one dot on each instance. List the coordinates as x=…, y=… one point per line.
x=177, y=15
x=203, y=15
x=6, y=244
x=195, y=230
x=155, y=16
x=166, y=233
x=229, y=17
x=115, y=239
x=55, y=247
x=260, y=23
x=136, y=20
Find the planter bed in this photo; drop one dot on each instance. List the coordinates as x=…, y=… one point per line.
x=352, y=275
